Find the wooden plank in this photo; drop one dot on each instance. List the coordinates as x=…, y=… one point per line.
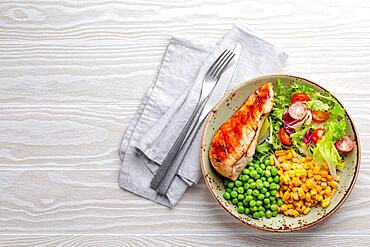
x=90, y=202
x=183, y=240
x=62, y=137
x=68, y=20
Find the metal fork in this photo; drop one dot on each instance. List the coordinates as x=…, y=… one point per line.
x=210, y=80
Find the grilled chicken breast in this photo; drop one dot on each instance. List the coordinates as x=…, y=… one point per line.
x=234, y=144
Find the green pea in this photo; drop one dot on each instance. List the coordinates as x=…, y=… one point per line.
x=258, y=203
x=261, y=197
x=258, y=181
x=251, y=180
x=253, y=185
x=267, y=194
x=245, y=178
x=246, y=186
x=272, y=199
x=257, y=176
x=252, y=203
x=229, y=190
x=235, y=188
x=267, y=162
x=245, y=171
x=268, y=214
x=234, y=194
x=280, y=202
x=256, y=166
x=266, y=201
x=245, y=202
x=274, y=207
x=260, y=208
x=248, y=198
x=270, y=180
x=257, y=162
x=256, y=215
x=240, y=190
x=273, y=186
x=259, y=170
x=273, y=192
x=235, y=201
x=253, y=174
x=239, y=204
x=277, y=186
x=251, y=168
x=261, y=214
x=238, y=183
x=269, y=167
x=263, y=190
x=276, y=179
x=259, y=185
x=240, y=209
x=249, y=191
x=247, y=211
x=263, y=166
x=263, y=179
x=266, y=184
x=254, y=209
x=274, y=213
x=230, y=184
x=267, y=206
x=240, y=197
x=268, y=173
x=227, y=195
x=274, y=171
x=256, y=192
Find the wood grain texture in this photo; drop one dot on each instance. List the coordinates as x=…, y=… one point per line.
x=182, y=240
x=72, y=74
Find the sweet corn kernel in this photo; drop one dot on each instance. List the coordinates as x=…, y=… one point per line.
x=307, y=210
x=304, y=187
x=325, y=202
x=286, y=166
x=294, y=213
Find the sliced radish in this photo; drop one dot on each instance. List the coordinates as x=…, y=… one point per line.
x=344, y=144
x=297, y=110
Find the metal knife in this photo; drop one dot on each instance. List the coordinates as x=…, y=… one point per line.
x=217, y=93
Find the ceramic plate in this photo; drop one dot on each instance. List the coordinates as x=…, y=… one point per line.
x=223, y=111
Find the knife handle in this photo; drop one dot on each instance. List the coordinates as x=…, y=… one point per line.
x=161, y=173
x=167, y=178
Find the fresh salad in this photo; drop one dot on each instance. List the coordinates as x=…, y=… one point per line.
x=309, y=122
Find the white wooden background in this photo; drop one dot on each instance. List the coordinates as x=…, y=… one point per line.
x=72, y=74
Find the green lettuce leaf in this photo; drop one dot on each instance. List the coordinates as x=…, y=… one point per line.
x=317, y=105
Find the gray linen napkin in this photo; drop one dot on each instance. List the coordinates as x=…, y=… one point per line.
x=170, y=101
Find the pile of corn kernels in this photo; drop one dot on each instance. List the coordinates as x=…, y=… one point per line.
x=304, y=183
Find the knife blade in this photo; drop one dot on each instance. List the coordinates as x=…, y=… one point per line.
x=218, y=91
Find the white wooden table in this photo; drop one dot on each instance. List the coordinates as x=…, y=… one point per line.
x=72, y=74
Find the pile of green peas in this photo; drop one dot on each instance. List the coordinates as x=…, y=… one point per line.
x=254, y=192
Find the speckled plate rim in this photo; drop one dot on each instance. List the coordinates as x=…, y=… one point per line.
x=354, y=179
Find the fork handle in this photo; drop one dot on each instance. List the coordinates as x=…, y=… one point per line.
x=166, y=181
x=161, y=173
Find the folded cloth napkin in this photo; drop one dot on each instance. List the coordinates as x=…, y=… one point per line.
x=169, y=102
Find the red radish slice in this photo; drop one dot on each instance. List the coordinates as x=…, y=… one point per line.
x=297, y=110
x=344, y=144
